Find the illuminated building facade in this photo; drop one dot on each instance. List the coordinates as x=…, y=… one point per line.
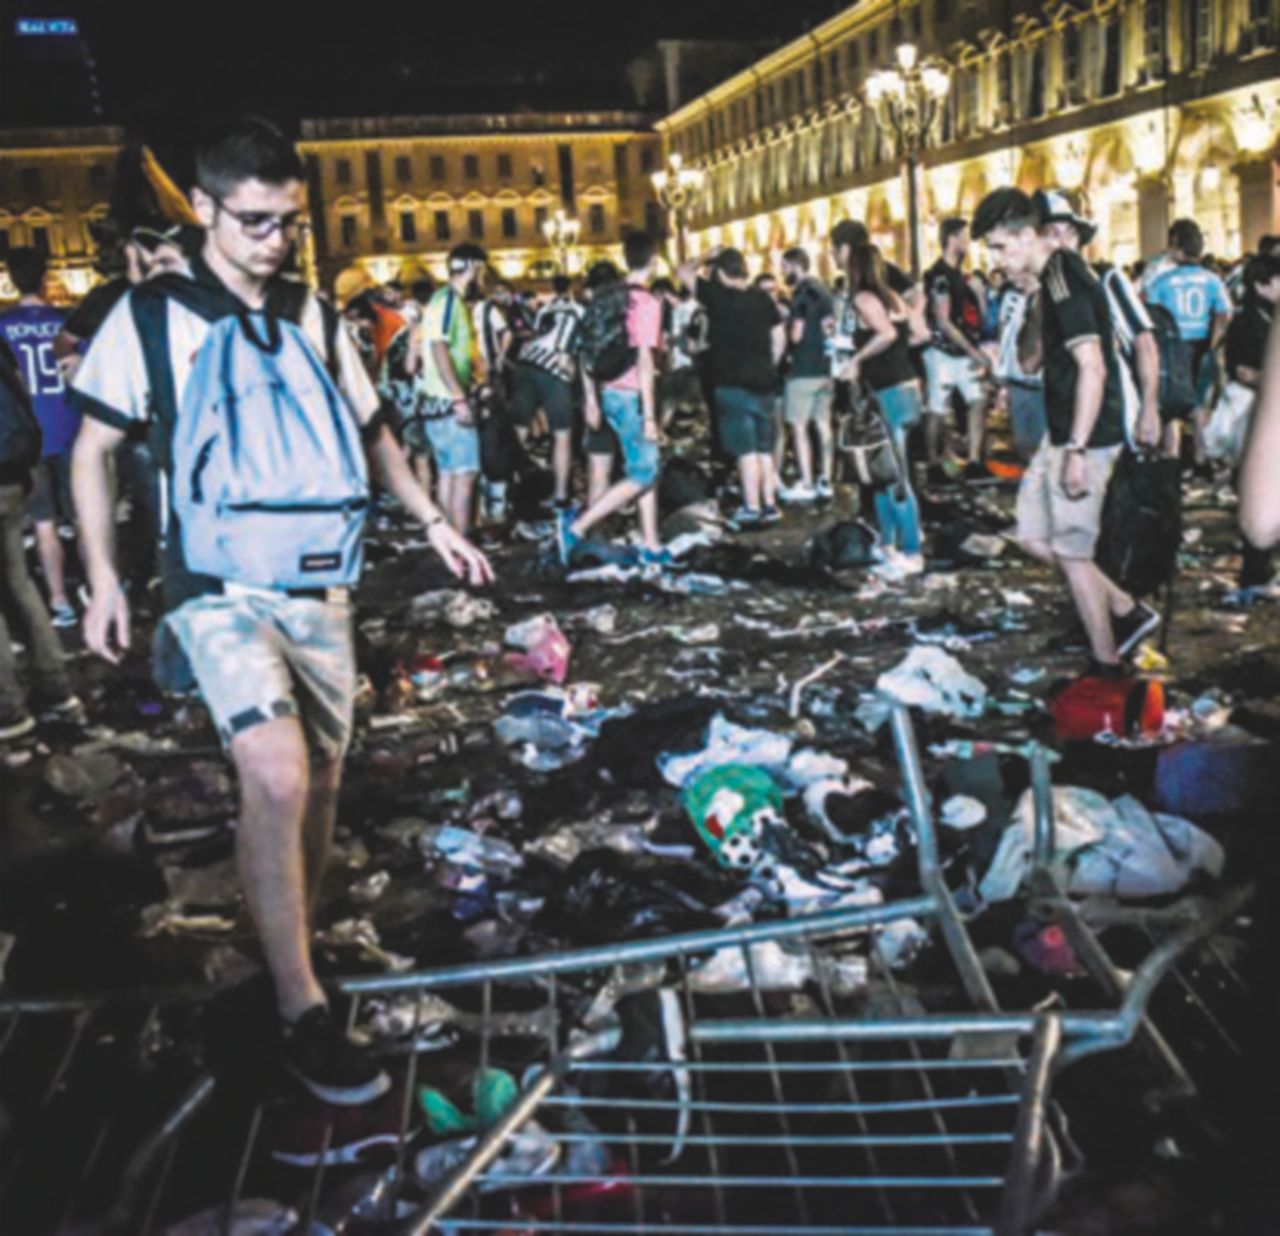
x=397, y=193
x=1153, y=108
x=53, y=183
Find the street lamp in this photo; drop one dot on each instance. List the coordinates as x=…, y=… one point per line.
x=675, y=185
x=562, y=234
x=906, y=103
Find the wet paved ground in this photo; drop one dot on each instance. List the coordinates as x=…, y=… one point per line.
x=85, y=893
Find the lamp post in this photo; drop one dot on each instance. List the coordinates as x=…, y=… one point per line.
x=906, y=102
x=562, y=234
x=675, y=185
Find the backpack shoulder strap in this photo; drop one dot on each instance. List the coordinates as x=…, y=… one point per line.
x=288, y=299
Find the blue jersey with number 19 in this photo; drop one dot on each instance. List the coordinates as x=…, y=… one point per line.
x=30, y=331
x=1193, y=295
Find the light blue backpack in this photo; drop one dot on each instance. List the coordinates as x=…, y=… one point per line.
x=270, y=484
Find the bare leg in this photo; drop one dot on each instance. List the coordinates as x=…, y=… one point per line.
x=826, y=441
x=1088, y=592
x=271, y=760
x=562, y=462
x=53, y=561
x=599, y=470
x=977, y=431
x=768, y=481
x=611, y=502
x=648, y=507
x=749, y=474
x=317, y=834
x=804, y=452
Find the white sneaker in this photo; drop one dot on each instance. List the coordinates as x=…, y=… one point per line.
x=910, y=564
x=824, y=491
x=798, y=493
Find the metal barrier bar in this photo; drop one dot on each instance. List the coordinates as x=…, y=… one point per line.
x=1017, y=1204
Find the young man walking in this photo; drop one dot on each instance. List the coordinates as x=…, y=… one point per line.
x=628, y=403
x=1201, y=306
x=1062, y=494
x=275, y=664
x=444, y=360
x=544, y=377
x=31, y=331
x=810, y=388
x=954, y=363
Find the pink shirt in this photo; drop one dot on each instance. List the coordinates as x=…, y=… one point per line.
x=644, y=328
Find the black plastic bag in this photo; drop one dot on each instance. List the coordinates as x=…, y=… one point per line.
x=1141, y=523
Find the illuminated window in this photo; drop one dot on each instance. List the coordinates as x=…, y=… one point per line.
x=1262, y=23
x=475, y=224
x=404, y=169
x=508, y=223
x=1071, y=63
x=1199, y=32
x=873, y=45
x=646, y=158
x=504, y=166
x=348, y=231
x=342, y=171
x=471, y=166
x=408, y=227
x=437, y=167
x=1035, y=93
x=595, y=219
x=442, y=224
x=1112, y=57
x=1153, y=46
x=540, y=220
x=853, y=57
x=4, y=243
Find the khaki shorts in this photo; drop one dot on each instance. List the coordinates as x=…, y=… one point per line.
x=1045, y=513
x=808, y=399
x=259, y=654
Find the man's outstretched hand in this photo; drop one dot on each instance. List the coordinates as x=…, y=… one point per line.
x=107, y=615
x=459, y=555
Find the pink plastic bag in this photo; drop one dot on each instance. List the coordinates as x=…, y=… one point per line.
x=545, y=649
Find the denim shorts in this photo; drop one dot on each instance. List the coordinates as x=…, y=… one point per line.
x=625, y=414
x=456, y=447
x=900, y=404
x=748, y=425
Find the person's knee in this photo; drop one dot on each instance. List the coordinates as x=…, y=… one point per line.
x=1038, y=549
x=272, y=764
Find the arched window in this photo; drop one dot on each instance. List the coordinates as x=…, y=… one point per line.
x=1035, y=87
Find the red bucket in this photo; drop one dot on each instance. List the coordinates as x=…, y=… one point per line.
x=1125, y=706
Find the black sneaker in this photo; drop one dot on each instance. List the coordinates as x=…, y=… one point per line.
x=1132, y=628
x=319, y=1054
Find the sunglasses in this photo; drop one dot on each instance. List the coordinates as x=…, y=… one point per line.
x=259, y=224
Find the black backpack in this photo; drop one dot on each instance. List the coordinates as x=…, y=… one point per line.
x=20, y=438
x=1141, y=523
x=1177, y=383
x=602, y=344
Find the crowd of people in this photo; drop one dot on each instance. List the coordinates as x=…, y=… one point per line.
x=253, y=422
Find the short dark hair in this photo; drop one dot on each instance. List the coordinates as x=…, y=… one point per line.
x=638, y=249
x=949, y=228
x=765, y=276
x=662, y=287
x=850, y=232
x=1268, y=244
x=1007, y=208
x=561, y=284
x=601, y=275
x=1185, y=236
x=797, y=257
x=247, y=148
x=466, y=252
x=731, y=262
x=27, y=268
x=422, y=290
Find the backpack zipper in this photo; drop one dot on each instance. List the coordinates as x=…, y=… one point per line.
x=348, y=506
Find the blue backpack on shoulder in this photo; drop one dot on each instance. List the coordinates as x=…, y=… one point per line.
x=270, y=485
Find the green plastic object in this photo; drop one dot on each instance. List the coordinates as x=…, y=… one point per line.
x=493, y=1093
x=729, y=807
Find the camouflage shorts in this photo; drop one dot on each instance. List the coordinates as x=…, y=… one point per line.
x=258, y=654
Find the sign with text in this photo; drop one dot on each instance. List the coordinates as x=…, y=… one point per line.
x=60, y=27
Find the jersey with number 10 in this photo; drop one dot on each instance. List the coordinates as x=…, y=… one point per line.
x=1193, y=295
x=30, y=330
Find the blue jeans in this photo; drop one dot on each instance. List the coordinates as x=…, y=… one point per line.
x=625, y=414
x=897, y=511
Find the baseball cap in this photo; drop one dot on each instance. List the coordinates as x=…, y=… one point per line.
x=1060, y=206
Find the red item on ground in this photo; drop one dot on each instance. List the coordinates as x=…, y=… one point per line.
x=1125, y=706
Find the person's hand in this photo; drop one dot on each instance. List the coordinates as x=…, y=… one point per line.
x=651, y=430
x=1075, y=476
x=462, y=558
x=1148, y=431
x=462, y=412
x=107, y=615
x=591, y=414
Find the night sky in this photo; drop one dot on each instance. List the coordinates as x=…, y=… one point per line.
x=158, y=64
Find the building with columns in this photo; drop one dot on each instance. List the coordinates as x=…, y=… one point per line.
x=394, y=194
x=53, y=183
x=1152, y=108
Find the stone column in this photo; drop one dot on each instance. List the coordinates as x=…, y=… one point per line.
x=1259, y=199
x=1153, y=215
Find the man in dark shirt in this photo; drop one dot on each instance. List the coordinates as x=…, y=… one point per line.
x=1061, y=498
x=810, y=387
x=954, y=362
x=747, y=341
